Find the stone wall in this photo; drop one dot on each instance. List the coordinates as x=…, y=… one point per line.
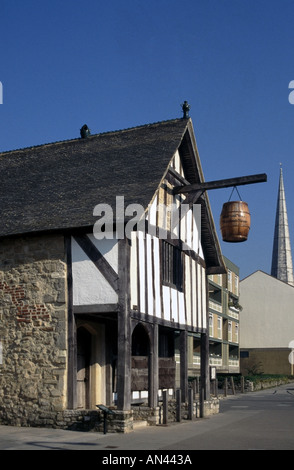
x=154, y=416
x=33, y=312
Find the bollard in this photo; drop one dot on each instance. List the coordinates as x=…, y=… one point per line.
x=178, y=406
x=242, y=384
x=233, y=385
x=165, y=407
x=190, y=403
x=194, y=388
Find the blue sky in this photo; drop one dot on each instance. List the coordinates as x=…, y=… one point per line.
x=118, y=64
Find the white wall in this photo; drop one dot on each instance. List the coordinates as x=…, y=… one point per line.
x=89, y=285
x=267, y=318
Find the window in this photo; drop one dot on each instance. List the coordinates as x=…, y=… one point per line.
x=166, y=347
x=236, y=284
x=244, y=354
x=210, y=325
x=229, y=280
x=219, y=327
x=172, y=265
x=236, y=333
x=230, y=331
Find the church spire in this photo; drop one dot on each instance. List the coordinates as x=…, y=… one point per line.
x=282, y=267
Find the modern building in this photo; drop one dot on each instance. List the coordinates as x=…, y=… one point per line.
x=224, y=319
x=267, y=320
x=266, y=325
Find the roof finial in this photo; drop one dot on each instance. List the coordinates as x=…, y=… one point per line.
x=85, y=131
x=186, y=109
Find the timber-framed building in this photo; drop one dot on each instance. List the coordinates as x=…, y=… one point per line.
x=91, y=319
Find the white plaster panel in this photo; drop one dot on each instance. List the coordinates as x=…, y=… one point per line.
x=134, y=271
x=108, y=248
x=189, y=228
x=152, y=212
x=174, y=300
x=188, y=291
x=141, y=255
x=197, y=246
x=176, y=228
x=204, y=304
x=195, y=295
x=89, y=285
x=150, y=296
x=181, y=308
x=199, y=294
x=156, y=260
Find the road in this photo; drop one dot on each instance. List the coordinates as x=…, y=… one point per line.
x=252, y=421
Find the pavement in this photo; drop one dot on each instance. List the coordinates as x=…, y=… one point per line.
x=143, y=439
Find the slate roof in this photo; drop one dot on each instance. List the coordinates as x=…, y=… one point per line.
x=56, y=186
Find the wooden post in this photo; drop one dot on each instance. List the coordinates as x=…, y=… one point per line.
x=194, y=388
x=124, y=329
x=197, y=384
x=204, y=365
x=226, y=387
x=165, y=407
x=184, y=365
x=242, y=384
x=204, y=392
x=178, y=405
x=233, y=385
x=153, y=369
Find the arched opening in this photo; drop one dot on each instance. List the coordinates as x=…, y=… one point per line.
x=140, y=341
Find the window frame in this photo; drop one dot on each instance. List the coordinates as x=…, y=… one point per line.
x=172, y=265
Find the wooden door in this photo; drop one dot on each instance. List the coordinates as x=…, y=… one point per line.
x=83, y=367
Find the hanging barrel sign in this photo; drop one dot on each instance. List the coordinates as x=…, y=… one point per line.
x=235, y=221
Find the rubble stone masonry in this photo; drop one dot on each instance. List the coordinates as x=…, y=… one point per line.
x=33, y=313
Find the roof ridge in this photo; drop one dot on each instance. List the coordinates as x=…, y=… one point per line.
x=92, y=135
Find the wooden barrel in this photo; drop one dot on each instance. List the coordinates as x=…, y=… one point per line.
x=235, y=221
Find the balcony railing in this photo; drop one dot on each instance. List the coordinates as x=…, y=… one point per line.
x=215, y=306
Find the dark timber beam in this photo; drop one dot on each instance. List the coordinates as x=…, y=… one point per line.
x=124, y=328
x=226, y=183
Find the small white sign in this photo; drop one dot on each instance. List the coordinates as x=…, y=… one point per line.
x=212, y=373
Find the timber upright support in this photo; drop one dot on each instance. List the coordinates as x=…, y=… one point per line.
x=153, y=369
x=124, y=329
x=204, y=392
x=184, y=365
